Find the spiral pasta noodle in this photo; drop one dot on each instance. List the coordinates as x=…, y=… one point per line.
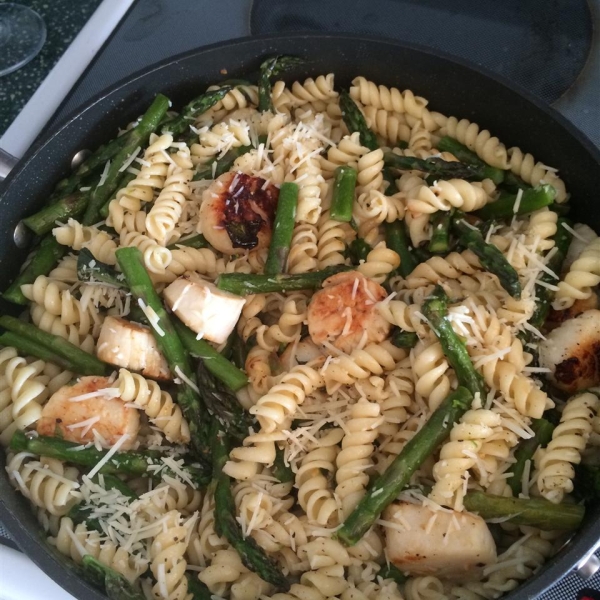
x=347, y=152
x=168, y=563
x=444, y=195
x=304, y=250
x=554, y=463
x=391, y=99
x=433, y=376
x=75, y=541
x=77, y=236
x=381, y=261
x=314, y=494
x=459, y=455
x=276, y=407
x=168, y=207
x=156, y=403
x=583, y=275
x=331, y=245
x=46, y=321
x=355, y=456
x=47, y=483
x=392, y=126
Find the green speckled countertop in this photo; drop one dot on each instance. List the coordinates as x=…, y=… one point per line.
x=64, y=19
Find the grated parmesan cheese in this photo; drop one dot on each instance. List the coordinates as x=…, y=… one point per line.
x=152, y=317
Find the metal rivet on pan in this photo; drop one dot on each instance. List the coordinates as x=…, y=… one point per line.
x=79, y=158
x=589, y=565
x=22, y=235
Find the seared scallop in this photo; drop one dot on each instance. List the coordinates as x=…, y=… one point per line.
x=131, y=346
x=344, y=312
x=237, y=213
x=449, y=544
x=572, y=352
x=74, y=412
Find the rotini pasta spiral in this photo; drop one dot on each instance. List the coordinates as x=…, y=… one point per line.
x=459, y=455
x=554, y=463
x=391, y=99
x=23, y=389
x=303, y=256
x=276, y=407
x=314, y=495
x=525, y=166
x=391, y=126
x=370, y=172
x=77, y=236
x=374, y=359
x=436, y=269
x=332, y=238
x=443, y=195
x=168, y=563
x=433, y=376
x=75, y=541
x=46, y=321
x=480, y=141
x=583, y=275
x=157, y=404
x=348, y=152
x=47, y=483
x=156, y=257
x=150, y=178
x=516, y=388
x=168, y=207
x=381, y=261
x=354, y=459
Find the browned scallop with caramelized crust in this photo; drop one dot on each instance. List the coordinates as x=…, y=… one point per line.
x=572, y=353
x=344, y=312
x=75, y=411
x=237, y=213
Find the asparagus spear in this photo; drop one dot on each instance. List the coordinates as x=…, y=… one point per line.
x=195, y=241
x=390, y=483
x=544, y=295
x=435, y=309
x=137, y=278
x=273, y=67
x=490, y=257
x=239, y=351
x=534, y=512
x=343, y=193
x=91, y=269
x=396, y=239
x=391, y=571
x=357, y=251
x=45, y=257
x=32, y=348
x=115, y=585
x=223, y=404
x=198, y=589
x=224, y=164
x=283, y=228
x=280, y=470
x=448, y=144
x=127, y=463
x=243, y=284
x=404, y=339
x=71, y=206
x=226, y=525
x=137, y=138
x=218, y=365
x=438, y=168
x=440, y=238
x=82, y=362
x=355, y=121
x=513, y=183
x=531, y=199
x=542, y=435
x=179, y=124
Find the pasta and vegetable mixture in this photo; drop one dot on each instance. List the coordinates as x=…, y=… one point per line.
x=300, y=343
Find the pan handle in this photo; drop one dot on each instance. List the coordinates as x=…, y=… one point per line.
x=584, y=93
x=7, y=162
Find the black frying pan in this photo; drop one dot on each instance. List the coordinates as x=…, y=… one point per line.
x=451, y=87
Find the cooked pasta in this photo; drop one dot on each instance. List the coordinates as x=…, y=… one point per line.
x=232, y=437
